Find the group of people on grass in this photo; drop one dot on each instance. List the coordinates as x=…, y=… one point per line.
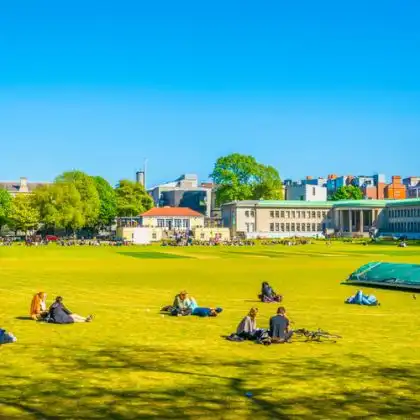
x=184, y=305
x=278, y=330
x=57, y=313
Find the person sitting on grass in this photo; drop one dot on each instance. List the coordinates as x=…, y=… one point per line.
x=279, y=327
x=38, y=308
x=59, y=314
x=268, y=294
x=204, y=312
x=248, y=326
x=183, y=304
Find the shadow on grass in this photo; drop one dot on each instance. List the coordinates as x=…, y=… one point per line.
x=184, y=386
x=153, y=255
x=24, y=318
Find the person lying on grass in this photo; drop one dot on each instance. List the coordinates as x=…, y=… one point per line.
x=279, y=327
x=204, y=312
x=183, y=304
x=38, y=308
x=268, y=294
x=59, y=314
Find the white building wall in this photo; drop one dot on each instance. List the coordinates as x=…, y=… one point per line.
x=306, y=192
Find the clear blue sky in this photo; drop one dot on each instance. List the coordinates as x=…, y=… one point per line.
x=311, y=87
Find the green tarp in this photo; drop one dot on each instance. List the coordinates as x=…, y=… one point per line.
x=384, y=274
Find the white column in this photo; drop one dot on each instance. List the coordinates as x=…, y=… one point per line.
x=361, y=222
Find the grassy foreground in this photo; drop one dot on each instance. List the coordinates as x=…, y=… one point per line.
x=132, y=363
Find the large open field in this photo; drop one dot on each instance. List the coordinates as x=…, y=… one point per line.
x=132, y=363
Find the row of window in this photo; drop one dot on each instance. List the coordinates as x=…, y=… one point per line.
x=173, y=223
x=404, y=227
x=300, y=214
x=404, y=213
x=295, y=227
x=249, y=213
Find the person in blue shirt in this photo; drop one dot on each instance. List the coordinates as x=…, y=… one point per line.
x=204, y=312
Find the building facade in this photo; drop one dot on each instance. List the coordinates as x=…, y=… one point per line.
x=305, y=218
x=184, y=192
x=306, y=192
x=20, y=187
x=172, y=218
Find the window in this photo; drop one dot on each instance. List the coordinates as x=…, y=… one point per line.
x=247, y=213
x=154, y=235
x=308, y=227
x=314, y=191
x=298, y=214
x=161, y=223
x=303, y=227
x=318, y=214
x=293, y=227
x=298, y=227
x=271, y=213
x=313, y=227
x=271, y=227
x=282, y=227
x=177, y=223
x=277, y=214
x=202, y=235
x=277, y=227
x=313, y=215
x=293, y=214
x=303, y=214
x=168, y=223
x=324, y=214
x=252, y=213
x=319, y=227
x=186, y=223
x=287, y=227
x=288, y=214
x=308, y=214
x=282, y=214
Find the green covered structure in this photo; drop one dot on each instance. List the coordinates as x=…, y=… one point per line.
x=389, y=275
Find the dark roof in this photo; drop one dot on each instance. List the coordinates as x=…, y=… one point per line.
x=14, y=186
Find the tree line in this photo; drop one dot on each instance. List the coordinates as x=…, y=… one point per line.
x=74, y=201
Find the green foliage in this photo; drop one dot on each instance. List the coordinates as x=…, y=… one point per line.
x=60, y=206
x=5, y=206
x=347, y=192
x=241, y=177
x=90, y=201
x=108, y=202
x=24, y=214
x=132, y=199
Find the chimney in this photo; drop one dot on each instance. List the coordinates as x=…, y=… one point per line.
x=140, y=179
x=396, y=179
x=23, y=185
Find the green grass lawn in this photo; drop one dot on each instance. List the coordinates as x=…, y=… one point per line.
x=132, y=363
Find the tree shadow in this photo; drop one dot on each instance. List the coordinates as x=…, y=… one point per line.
x=24, y=318
x=179, y=385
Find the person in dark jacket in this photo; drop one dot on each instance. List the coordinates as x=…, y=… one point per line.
x=279, y=327
x=59, y=314
x=268, y=294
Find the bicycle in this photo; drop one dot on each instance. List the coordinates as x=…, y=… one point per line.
x=316, y=336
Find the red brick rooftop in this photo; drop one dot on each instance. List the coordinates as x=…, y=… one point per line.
x=171, y=212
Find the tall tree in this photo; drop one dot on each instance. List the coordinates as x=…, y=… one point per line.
x=108, y=202
x=89, y=195
x=60, y=206
x=5, y=206
x=24, y=214
x=347, y=192
x=241, y=177
x=132, y=199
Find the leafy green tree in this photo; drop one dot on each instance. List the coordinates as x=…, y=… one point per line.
x=90, y=202
x=241, y=177
x=132, y=199
x=60, y=206
x=5, y=206
x=108, y=202
x=347, y=192
x=24, y=213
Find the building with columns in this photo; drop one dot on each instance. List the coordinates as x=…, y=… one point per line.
x=264, y=218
